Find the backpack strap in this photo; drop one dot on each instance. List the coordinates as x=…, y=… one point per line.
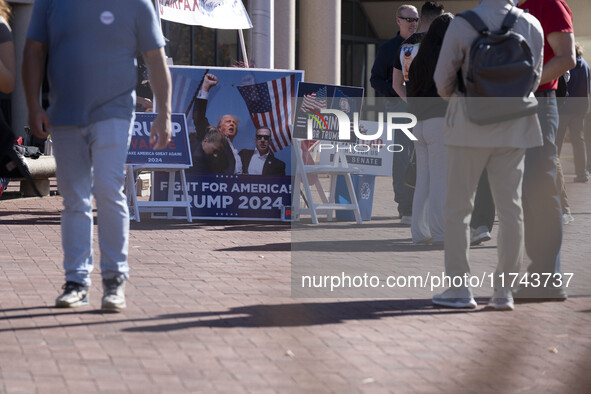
x=511, y=17
x=475, y=21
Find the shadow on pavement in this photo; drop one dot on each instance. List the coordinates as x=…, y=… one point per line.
x=148, y=224
x=37, y=217
x=297, y=315
x=278, y=315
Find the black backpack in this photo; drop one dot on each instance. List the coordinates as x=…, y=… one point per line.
x=501, y=72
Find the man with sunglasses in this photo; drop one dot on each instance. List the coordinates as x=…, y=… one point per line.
x=381, y=80
x=261, y=161
x=407, y=18
x=410, y=47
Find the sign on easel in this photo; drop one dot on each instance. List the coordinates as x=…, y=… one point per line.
x=311, y=125
x=176, y=157
x=236, y=184
x=176, y=153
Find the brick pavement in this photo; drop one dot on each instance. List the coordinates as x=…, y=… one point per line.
x=210, y=310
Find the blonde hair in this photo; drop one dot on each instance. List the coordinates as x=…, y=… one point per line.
x=5, y=10
x=578, y=49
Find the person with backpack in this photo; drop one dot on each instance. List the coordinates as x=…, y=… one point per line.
x=494, y=139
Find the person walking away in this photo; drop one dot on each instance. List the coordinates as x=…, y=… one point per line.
x=91, y=49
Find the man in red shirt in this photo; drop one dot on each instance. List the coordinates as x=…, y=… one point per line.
x=541, y=197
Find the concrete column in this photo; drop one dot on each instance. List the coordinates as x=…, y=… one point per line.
x=261, y=44
x=320, y=40
x=285, y=13
x=21, y=14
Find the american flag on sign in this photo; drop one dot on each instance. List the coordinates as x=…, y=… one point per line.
x=314, y=101
x=183, y=89
x=269, y=104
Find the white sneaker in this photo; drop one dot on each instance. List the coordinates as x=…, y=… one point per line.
x=455, y=297
x=406, y=220
x=479, y=235
x=502, y=300
x=114, y=293
x=567, y=218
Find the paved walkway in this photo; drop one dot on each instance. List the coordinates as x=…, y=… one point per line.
x=210, y=310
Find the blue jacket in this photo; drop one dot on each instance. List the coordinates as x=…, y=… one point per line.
x=578, y=88
x=381, y=72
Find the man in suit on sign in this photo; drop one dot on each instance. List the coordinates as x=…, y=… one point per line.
x=261, y=161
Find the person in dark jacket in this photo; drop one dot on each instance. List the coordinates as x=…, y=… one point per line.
x=407, y=18
x=261, y=161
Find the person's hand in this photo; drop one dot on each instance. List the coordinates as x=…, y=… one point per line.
x=146, y=103
x=209, y=81
x=161, y=131
x=39, y=123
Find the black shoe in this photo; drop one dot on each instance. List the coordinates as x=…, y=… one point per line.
x=581, y=179
x=74, y=295
x=526, y=294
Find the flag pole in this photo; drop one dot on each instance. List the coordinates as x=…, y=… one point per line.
x=244, y=56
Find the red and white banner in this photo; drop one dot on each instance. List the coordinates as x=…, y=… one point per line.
x=217, y=14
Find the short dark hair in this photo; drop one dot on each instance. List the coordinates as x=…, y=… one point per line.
x=431, y=10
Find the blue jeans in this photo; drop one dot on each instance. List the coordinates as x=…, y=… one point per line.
x=542, y=211
x=91, y=161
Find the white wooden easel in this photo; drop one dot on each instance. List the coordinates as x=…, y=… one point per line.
x=307, y=172
x=156, y=206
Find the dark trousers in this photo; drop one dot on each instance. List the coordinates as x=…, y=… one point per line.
x=542, y=212
x=575, y=125
x=484, y=205
x=403, y=195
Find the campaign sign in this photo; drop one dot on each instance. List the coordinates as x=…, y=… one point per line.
x=312, y=98
x=372, y=157
x=229, y=196
x=255, y=97
x=176, y=153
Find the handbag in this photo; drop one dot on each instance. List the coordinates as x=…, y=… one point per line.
x=12, y=157
x=410, y=174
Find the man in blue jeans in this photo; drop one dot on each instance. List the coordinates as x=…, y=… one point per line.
x=91, y=51
x=541, y=198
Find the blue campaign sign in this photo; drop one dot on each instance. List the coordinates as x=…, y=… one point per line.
x=312, y=98
x=176, y=153
x=229, y=196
